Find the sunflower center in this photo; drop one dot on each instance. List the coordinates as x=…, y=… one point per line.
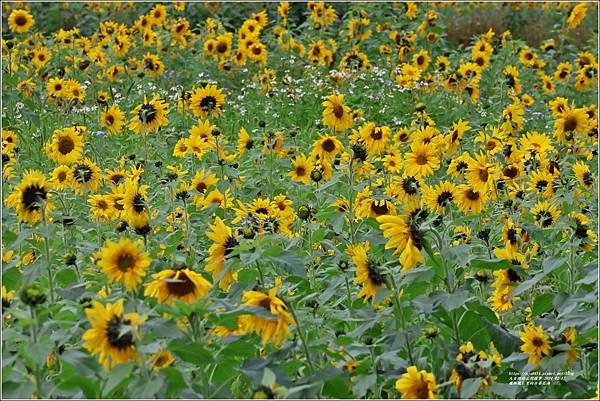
x=541, y=185
x=472, y=195
x=588, y=178
x=300, y=171
x=511, y=235
x=420, y=60
x=116, y=178
x=570, y=124
x=537, y=342
x=110, y=120
x=201, y=187
x=83, y=173
x=115, y=335
x=544, y=217
x=256, y=50
x=377, y=134
x=32, y=196
x=374, y=273
x=445, y=198
x=147, y=113
x=421, y=160
x=102, y=205
x=410, y=185
x=62, y=176
x=222, y=47
x=380, y=207
x=422, y=391
x=249, y=144
x=208, y=103
x=265, y=303
x=183, y=287
x=338, y=111
x=21, y=20
x=230, y=243
x=138, y=203
x=511, y=172
x=328, y=146
x=461, y=166
x=483, y=175
x=65, y=145
x=125, y=262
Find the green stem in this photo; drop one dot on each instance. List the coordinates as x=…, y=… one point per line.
x=48, y=257
x=400, y=314
x=302, y=338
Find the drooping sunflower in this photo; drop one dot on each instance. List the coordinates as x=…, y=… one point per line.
x=112, y=119
x=245, y=142
x=134, y=202
x=30, y=196
x=161, y=359
x=405, y=188
x=274, y=329
x=20, y=21
x=337, y=115
x=422, y=161
x=416, y=384
x=66, y=146
x=535, y=343
x=183, y=284
x=124, y=262
x=570, y=122
x=149, y=116
x=224, y=242
x=368, y=273
x=583, y=174
x=113, y=334
x=207, y=101
x=405, y=237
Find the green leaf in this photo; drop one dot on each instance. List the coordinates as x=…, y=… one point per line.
x=542, y=304
x=494, y=264
x=193, y=353
x=175, y=381
x=363, y=384
x=470, y=387
x=505, y=342
x=117, y=375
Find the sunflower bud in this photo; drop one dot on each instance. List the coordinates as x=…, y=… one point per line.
x=121, y=226
x=304, y=212
x=316, y=175
x=343, y=265
x=70, y=258
x=248, y=232
x=182, y=194
x=431, y=332
x=419, y=107
x=32, y=295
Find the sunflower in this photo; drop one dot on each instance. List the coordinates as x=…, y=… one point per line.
x=115, y=177
x=416, y=384
x=135, y=208
x=30, y=196
x=422, y=161
x=161, y=359
x=368, y=272
x=535, y=343
x=570, y=122
x=244, y=142
x=113, y=334
x=545, y=214
x=224, y=242
x=102, y=208
x=183, y=284
x=66, y=146
x=374, y=138
x=481, y=174
x=112, y=119
x=542, y=183
x=56, y=87
x=577, y=15
x=62, y=177
x=301, y=169
x=207, y=101
x=406, y=188
x=583, y=174
x=124, y=262
x=438, y=197
x=20, y=21
x=201, y=182
x=87, y=175
x=149, y=116
x=327, y=147
x=336, y=115
x=470, y=199
x=274, y=328
x=405, y=237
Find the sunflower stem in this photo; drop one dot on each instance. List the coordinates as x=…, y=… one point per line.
x=302, y=338
x=350, y=196
x=47, y=251
x=400, y=314
x=260, y=276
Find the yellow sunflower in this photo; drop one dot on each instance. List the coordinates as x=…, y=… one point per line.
x=405, y=238
x=112, y=119
x=124, y=262
x=327, y=147
x=113, y=334
x=422, y=161
x=368, y=273
x=207, y=101
x=183, y=284
x=66, y=146
x=535, y=343
x=301, y=169
x=416, y=384
x=274, y=329
x=20, y=21
x=223, y=243
x=337, y=115
x=62, y=177
x=30, y=196
x=149, y=116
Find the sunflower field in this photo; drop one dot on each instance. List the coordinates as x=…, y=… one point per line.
x=299, y=200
